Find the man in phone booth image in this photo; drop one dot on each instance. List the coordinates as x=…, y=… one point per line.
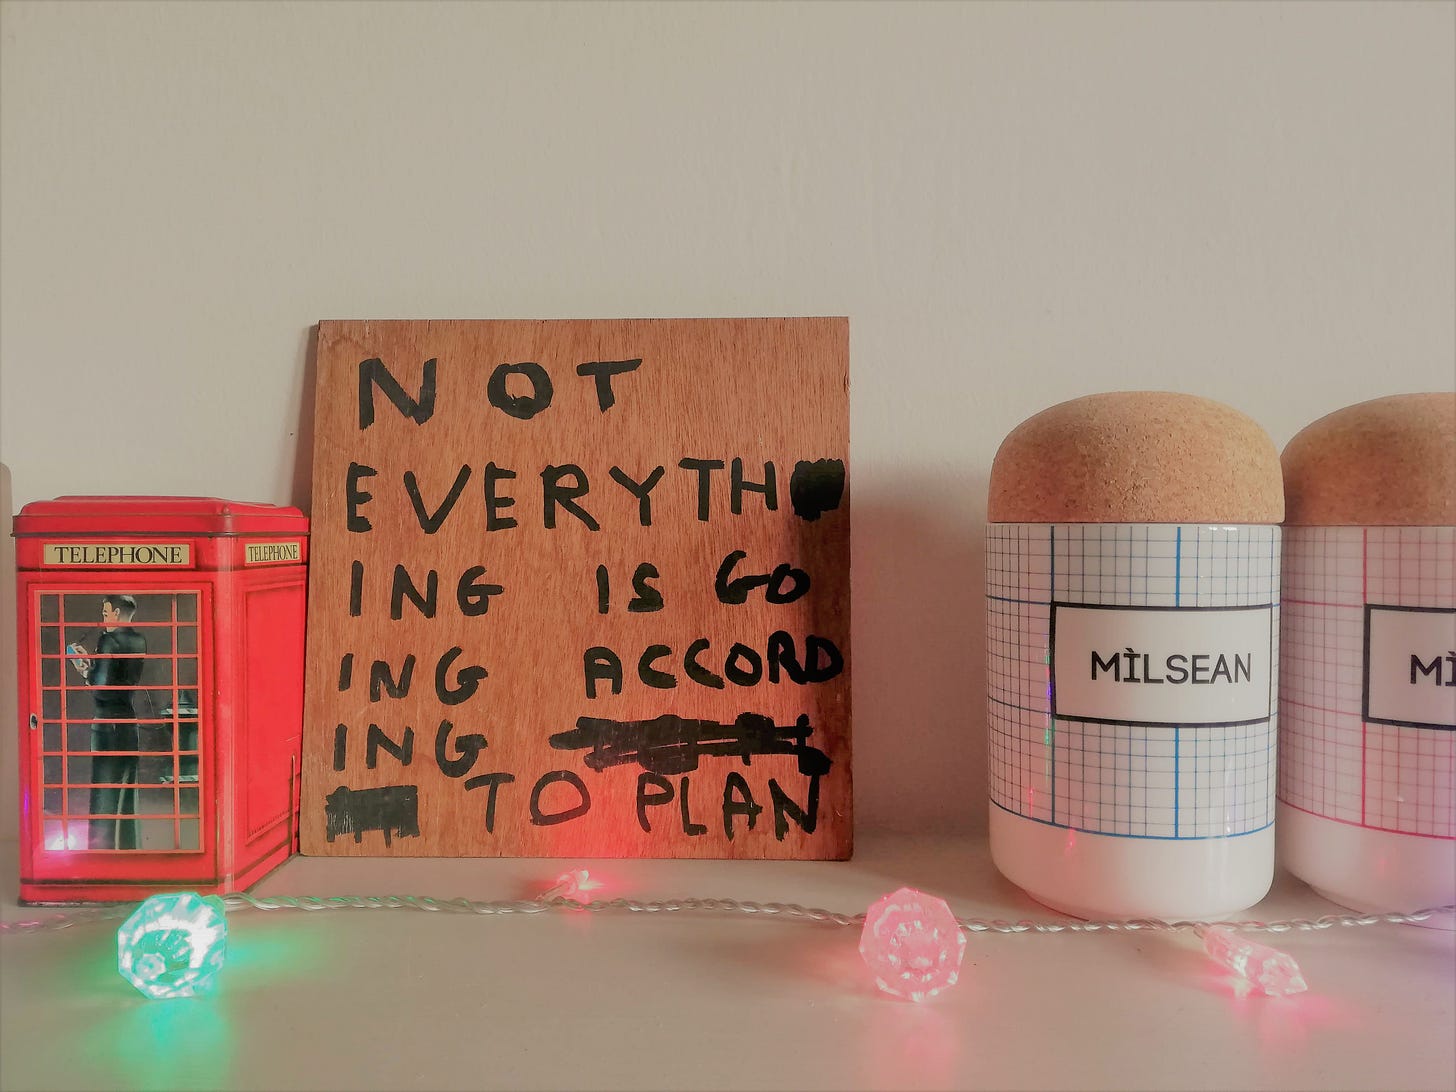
x=113, y=674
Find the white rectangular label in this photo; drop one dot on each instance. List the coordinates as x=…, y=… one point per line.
x=119, y=554
x=1410, y=666
x=1168, y=666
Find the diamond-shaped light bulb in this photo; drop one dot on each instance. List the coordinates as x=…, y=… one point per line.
x=173, y=945
x=1266, y=969
x=913, y=944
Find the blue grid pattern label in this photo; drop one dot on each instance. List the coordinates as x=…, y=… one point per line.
x=1132, y=676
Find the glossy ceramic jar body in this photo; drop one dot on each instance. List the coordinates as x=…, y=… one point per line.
x=1132, y=714
x=1367, y=781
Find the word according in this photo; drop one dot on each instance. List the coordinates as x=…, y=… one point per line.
x=1198, y=668
x=743, y=665
x=1441, y=670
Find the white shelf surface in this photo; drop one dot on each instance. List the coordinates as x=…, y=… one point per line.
x=408, y=1000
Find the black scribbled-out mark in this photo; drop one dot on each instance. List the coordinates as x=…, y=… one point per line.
x=673, y=745
x=816, y=487
x=394, y=810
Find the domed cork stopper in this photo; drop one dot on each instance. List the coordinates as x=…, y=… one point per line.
x=1390, y=462
x=1137, y=457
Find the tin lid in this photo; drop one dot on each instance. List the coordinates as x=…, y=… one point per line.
x=1389, y=462
x=156, y=515
x=1137, y=457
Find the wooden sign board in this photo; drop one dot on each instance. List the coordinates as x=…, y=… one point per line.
x=580, y=588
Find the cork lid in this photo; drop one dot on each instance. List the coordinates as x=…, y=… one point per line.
x=1137, y=457
x=1389, y=462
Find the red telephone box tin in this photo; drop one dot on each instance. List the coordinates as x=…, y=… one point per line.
x=161, y=694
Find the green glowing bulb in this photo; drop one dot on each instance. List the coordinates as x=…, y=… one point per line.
x=173, y=945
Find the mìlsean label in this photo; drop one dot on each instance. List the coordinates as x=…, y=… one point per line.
x=1410, y=666
x=1162, y=666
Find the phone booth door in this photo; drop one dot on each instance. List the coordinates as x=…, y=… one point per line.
x=120, y=743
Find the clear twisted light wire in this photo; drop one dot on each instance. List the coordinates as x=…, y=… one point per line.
x=238, y=902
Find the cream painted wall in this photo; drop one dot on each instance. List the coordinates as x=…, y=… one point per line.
x=1015, y=204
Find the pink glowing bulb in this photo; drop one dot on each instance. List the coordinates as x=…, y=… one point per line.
x=1259, y=966
x=572, y=885
x=912, y=944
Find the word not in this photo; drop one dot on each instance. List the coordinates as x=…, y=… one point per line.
x=373, y=374
x=1198, y=668
x=1434, y=669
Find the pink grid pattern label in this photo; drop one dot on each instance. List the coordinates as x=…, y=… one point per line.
x=1097, y=753
x=1368, y=685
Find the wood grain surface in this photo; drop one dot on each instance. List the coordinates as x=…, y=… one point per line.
x=503, y=511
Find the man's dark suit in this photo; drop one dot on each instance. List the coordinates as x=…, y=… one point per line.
x=115, y=729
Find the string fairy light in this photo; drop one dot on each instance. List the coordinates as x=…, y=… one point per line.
x=918, y=931
x=173, y=945
x=912, y=944
x=1268, y=969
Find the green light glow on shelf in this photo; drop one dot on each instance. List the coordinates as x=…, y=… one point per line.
x=173, y=945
